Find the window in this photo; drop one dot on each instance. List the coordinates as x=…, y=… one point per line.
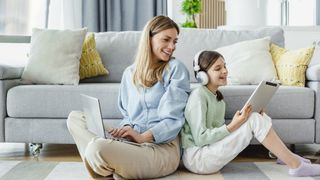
x=302, y=12
x=18, y=17
x=291, y=12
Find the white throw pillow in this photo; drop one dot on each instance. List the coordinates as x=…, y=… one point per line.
x=249, y=62
x=54, y=56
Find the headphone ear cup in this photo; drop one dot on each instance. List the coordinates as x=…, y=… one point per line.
x=202, y=77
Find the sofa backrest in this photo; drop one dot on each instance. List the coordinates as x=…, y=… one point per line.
x=117, y=49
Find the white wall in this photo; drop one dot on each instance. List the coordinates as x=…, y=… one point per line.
x=174, y=11
x=246, y=12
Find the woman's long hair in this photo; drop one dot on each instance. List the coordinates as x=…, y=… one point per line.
x=206, y=60
x=147, y=72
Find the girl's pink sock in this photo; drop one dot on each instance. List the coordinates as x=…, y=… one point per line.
x=279, y=161
x=305, y=169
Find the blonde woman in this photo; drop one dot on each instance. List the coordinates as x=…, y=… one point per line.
x=153, y=94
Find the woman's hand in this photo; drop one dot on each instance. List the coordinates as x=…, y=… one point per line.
x=132, y=135
x=239, y=119
x=115, y=132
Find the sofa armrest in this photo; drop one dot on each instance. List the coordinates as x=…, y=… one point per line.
x=315, y=85
x=9, y=72
x=313, y=73
x=5, y=85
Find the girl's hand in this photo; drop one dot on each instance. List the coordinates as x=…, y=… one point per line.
x=239, y=119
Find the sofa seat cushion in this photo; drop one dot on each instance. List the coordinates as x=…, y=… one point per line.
x=56, y=101
x=288, y=102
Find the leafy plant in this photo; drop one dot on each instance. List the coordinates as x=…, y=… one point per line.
x=191, y=8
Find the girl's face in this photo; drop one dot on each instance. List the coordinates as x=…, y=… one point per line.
x=218, y=73
x=163, y=44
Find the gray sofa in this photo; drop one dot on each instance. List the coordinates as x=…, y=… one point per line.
x=37, y=113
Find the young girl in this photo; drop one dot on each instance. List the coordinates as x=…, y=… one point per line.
x=152, y=97
x=209, y=144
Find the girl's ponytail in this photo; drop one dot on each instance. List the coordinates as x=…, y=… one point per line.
x=219, y=95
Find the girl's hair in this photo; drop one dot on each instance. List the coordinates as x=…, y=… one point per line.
x=206, y=60
x=147, y=72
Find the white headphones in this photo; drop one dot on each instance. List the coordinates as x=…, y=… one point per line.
x=201, y=76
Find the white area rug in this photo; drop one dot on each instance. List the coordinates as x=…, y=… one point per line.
x=39, y=170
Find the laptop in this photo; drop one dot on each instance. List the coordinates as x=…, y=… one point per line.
x=92, y=112
x=261, y=95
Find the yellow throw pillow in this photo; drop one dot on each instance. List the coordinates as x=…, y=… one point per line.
x=291, y=65
x=90, y=62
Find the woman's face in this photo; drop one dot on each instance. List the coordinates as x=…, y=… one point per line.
x=218, y=73
x=163, y=44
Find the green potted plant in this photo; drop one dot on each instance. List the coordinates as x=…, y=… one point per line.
x=191, y=8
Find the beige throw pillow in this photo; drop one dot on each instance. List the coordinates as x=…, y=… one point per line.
x=54, y=56
x=291, y=65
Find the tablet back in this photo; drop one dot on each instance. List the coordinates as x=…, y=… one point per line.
x=262, y=95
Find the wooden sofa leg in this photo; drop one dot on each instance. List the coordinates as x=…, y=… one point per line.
x=35, y=149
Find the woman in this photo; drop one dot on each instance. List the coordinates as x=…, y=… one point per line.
x=153, y=94
x=209, y=144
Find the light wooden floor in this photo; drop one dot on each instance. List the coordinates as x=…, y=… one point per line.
x=69, y=153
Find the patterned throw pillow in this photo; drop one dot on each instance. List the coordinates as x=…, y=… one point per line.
x=291, y=65
x=90, y=62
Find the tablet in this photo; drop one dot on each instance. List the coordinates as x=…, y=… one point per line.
x=261, y=96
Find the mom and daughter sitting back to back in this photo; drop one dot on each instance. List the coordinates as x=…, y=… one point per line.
x=153, y=99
